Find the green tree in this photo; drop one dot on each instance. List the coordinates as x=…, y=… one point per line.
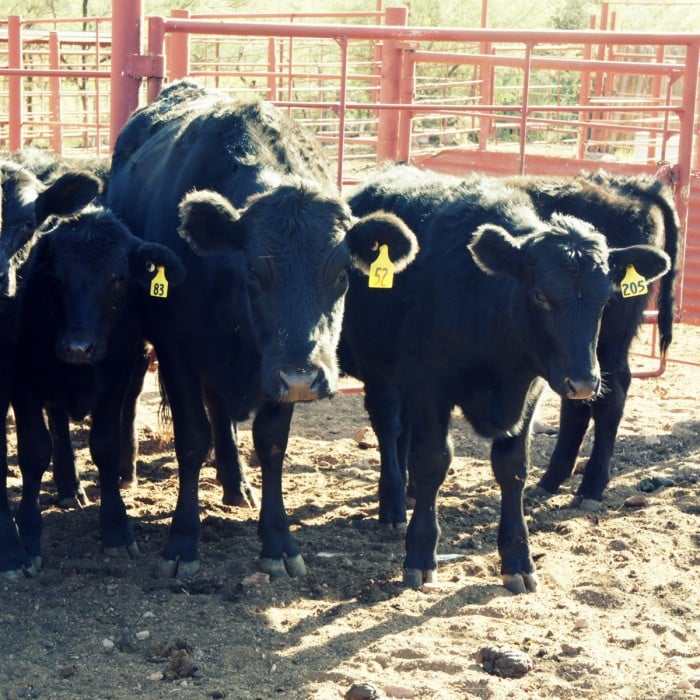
x=571, y=14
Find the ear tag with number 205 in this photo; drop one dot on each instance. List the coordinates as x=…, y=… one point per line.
x=633, y=284
x=159, y=285
x=381, y=271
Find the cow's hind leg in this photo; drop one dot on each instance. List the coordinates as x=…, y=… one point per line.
x=280, y=555
x=71, y=493
x=129, y=445
x=574, y=417
x=607, y=414
x=229, y=470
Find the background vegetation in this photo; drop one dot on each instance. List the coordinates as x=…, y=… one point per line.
x=644, y=15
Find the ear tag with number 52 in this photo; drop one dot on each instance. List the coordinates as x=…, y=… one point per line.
x=381, y=271
x=159, y=285
x=633, y=284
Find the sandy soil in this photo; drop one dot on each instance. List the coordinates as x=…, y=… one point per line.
x=616, y=617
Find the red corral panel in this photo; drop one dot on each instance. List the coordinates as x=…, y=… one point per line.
x=690, y=295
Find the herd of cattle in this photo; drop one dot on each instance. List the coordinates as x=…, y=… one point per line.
x=217, y=236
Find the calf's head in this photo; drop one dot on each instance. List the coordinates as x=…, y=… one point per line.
x=27, y=203
x=562, y=277
x=297, y=245
x=91, y=268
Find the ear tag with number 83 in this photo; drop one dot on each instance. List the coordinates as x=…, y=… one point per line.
x=633, y=284
x=381, y=271
x=159, y=285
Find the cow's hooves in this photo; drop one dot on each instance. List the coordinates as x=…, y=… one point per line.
x=68, y=503
x=166, y=568
x=295, y=565
x=520, y=583
x=415, y=578
x=129, y=552
x=30, y=571
x=252, y=498
x=240, y=500
x=541, y=428
x=274, y=567
x=537, y=495
x=12, y=574
x=395, y=527
x=129, y=484
x=589, y=505
x=188, y=569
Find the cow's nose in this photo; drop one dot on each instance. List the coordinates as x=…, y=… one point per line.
x=299, y=384
x=77, y=352
x=581, y=389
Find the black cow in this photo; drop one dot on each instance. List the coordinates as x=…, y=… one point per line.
x=256, y=323
x=27, y=204
x=496, y=301
x=80, y=340
x=41, y=184
x=627, y=210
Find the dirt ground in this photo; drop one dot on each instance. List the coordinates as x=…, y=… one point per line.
x=616, y=617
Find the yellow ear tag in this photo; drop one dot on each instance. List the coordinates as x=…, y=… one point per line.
x=159, y=285
x=633, y=284
x=381, y=271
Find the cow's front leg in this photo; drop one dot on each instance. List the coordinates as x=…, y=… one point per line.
x=105, y=448
x=14, y=560
x=180, y=556
x=279, y=555
x=384, y=409
x=34, y=455
x=430, y=457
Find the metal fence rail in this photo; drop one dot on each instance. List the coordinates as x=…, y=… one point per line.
x=374, y=88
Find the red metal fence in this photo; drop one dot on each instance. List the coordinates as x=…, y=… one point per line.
x=374, y=88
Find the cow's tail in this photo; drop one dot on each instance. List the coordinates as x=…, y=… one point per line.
x=666, y=298
x=657, y=193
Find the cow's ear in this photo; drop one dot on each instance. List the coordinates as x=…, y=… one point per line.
x=145, y=260
x=495, y=251
x=67, y=196
x=208, y=222
x=651, y=263
x=381, y=228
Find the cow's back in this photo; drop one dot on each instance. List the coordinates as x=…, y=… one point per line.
x=193, y=137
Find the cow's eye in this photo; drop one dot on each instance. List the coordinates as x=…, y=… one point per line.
x=341, y=281
x=540, y=299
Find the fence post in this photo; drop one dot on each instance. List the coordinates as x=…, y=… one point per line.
x=407, y=91
x=55, y=95
x=127, y=20
x=177, y=50
x=390, y=78
x=16, y=93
